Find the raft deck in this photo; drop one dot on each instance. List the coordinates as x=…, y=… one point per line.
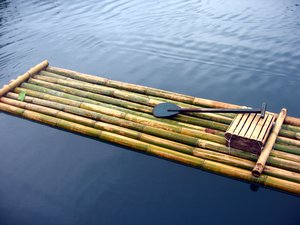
x=122, y=113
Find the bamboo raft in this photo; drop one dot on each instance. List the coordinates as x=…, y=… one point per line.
x=122, y=113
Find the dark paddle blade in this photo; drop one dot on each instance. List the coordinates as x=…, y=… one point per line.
x=162, y=110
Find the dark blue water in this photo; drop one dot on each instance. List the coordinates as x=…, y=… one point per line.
x=242, y=52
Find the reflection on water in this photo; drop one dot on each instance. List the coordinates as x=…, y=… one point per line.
x=243, y=52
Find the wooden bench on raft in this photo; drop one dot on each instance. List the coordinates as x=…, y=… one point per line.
x=250, y=132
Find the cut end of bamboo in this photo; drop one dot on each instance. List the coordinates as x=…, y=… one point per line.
x=15, y=83
x=38, y=67
x=257, y=170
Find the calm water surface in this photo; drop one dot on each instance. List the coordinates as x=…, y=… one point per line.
x=243, y=52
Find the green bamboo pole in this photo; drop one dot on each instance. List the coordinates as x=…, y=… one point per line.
x=117, y=93
x=208, y=115
x=53, y=78
x=202, y=153
x=274, y=161
x=140, y=118
x=226, y=115
x=45, y=90
x=138, y=88
x=285, y=155
x=291, y=128
x=121, y=122
x=79, y=99
x=15, y=83
x=189, y=134
x=287, y=148
x=288, y=141
x=102, y=94
x=289, y=134
x=33, y=88
x=122, y=103
x=146, y=100
x=208, y=165
x=153, y=91
x=129, y=114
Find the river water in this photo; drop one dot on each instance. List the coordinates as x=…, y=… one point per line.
x=237, y=51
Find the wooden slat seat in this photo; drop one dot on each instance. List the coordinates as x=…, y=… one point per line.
x=249, y=132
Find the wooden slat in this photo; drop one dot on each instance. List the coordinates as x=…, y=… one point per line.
x=247, y=124
x=269, y=130
x=241, y=124
x=265, y=137
x=265, y=128
x=234, y=123
x=258, y=127
x=252, y=127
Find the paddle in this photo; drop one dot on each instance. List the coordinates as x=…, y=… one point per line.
x=164, y=110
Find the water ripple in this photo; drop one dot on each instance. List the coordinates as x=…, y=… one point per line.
x=245, y=38
x=237, y=51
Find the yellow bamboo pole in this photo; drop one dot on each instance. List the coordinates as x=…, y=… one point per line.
x=61, y=112
x=130, y=115
x=278, y=159
x=125, y=104
x=15, y=83
x=135, y=106
x=208, y=165
x=224, y=116
x=121, y=94
x=261, y=162
x=154, y=92
x=127, y=114
x=288, y=141
x=288, y=131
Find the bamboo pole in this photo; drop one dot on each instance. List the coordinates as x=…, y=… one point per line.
x=208, y=165
x=100, y=95
x=121, y=112
x=117, y=93
x=285, y=155
x=288, y=141
x=139, y=89
x=259, y=167
x=154, y=92
x=129, y=114
x=146, y=100
x=49, y=94
x=289, y=134
x=57, y=79
x=15, y=83
x=125, y=104
x=287, y=148
x=121, y=122
x=80, y=99
x=185, y=105
x=220, y=133
x=38, y=90
x=207, y=115
x=291, y=127
x=202, y=153
x=274, y=161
